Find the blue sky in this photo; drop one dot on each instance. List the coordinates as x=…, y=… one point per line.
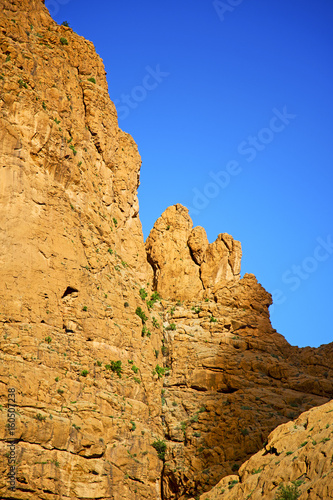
x=230, y=103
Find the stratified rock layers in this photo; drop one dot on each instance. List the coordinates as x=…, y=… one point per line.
x=83, y=350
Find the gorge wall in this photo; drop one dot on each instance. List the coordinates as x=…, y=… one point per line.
x=141, y=370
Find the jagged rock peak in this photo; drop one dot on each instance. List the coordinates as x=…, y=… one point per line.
x=185, y=264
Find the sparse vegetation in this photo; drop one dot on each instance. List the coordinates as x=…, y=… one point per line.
x=160, y=447
x=40, y=417
x=155, y=323
x=133, y=426
x=232, y=484
x=22, y=84
x=143, y=293
x=92, y=79
x=116, y=367
x=63, y=41
x=212, y=319
x=154, y=298
x=288, y=492
x=160, y=371
x=73, y=149
x=141, y=315
x=48, y=339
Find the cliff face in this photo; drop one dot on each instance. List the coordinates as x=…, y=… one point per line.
x=296, y=459
x=85, y=352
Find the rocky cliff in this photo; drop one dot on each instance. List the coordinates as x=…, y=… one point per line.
x=140, y=371
x=295, y=463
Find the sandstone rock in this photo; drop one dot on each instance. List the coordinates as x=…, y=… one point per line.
x=198, y=243
x=105, y=372
x=185, y=265
x=297, y=453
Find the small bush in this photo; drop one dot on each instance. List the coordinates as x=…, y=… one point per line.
x=84, y=308
x=141, y=314
x=44, y=105
x=116, y=367
x=133, y=426
x=65, y=23
x=22, y=84
x=40, y=417
x=63, y=41
x=160, y=371
x=73, y=149
x=92, y=79
x=154, y=298
x=48, y=339
x=172, y=326
x=155, y=323
x=143, y=293
x=232, y=484
x=212, y=319
x=135, y=369
x=84, y=373
x=160, y=447
x=288, y=492
x=115, y=222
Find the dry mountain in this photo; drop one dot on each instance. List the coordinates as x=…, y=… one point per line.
x=141, y=370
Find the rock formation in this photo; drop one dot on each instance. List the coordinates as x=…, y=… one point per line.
x=185, y=264
x=297, y=457
x=141, y=371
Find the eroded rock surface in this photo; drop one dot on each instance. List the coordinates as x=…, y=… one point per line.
x=297, y=455
x=185, y=265
x=84, y=339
